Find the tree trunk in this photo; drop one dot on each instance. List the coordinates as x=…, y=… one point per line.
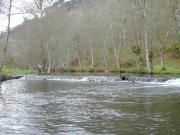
x=44, y=58
x=124, y=34
x=6, y=41
x=147, y=51
x=162, y=59
x=80, y=64
x=105, y=57
x=49, y=66
x=138, y=63
x=49, y=61
x=78, y=52
x=116, y=52
x=1, y=73
x=92, y=57
x=166, y=38
x=69, y=57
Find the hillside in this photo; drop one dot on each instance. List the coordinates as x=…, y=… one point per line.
x=98, y=35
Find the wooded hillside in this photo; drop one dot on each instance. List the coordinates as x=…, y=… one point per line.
x=104, y=35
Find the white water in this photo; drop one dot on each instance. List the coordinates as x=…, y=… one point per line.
x=74, y=78
x=171, y=82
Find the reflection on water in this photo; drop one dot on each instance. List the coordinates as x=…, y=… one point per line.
x=63, y=108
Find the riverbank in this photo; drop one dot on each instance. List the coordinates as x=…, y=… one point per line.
x=171, y=69
x=158, y=71
x=15, y=73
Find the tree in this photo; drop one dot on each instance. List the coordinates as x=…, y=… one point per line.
x=101, y=34
x=39, y=10
x=6, y=41
x=170, y=25
x=1, y=5
x=143, y=7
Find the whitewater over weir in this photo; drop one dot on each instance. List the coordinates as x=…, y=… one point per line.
x=164, y=81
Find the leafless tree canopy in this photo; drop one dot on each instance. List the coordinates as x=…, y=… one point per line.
x=103, y=34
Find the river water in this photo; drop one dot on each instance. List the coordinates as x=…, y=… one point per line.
x=89, y=106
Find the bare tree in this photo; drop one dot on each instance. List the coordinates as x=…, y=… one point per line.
x=106, y=34
x=143, y=8
x=6, y=41
x=76, y=41
x=1, y=5
x=163, y=46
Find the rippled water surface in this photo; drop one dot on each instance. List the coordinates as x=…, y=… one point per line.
x=70, y=107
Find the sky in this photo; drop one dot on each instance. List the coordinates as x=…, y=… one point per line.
x=18, y=7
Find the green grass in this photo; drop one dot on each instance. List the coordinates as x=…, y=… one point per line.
x=171, y=67
x=17, y=72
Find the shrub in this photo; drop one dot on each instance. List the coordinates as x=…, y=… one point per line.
x=175, y=51
x=136, y=49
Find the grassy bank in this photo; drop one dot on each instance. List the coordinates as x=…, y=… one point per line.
x=17, y=72
x=158, y=71
x=172, y=68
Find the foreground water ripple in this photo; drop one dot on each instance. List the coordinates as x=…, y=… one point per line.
x=50, y=107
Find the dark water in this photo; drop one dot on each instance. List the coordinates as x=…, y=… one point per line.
x=69, y=107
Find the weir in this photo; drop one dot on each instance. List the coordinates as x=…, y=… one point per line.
x=160, y=80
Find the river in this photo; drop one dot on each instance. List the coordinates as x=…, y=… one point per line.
x=89, y=106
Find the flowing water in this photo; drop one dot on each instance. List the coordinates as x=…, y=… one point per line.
x=89, y=106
